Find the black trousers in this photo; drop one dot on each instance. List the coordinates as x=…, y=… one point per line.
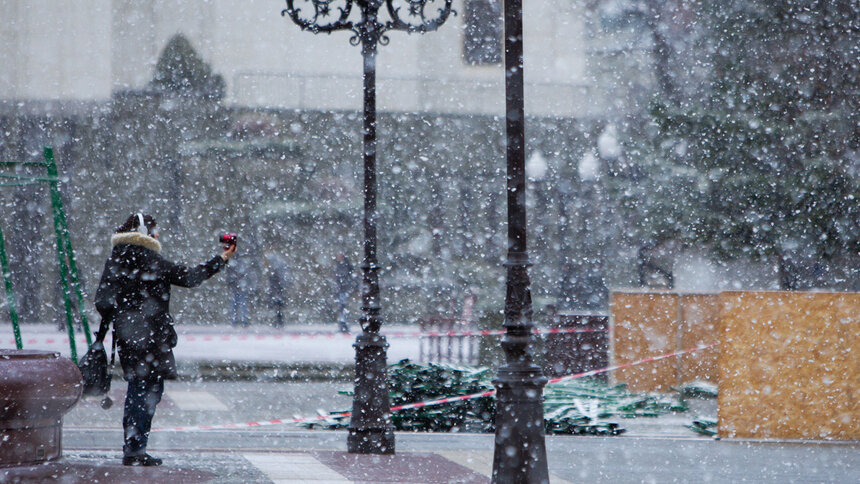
x=279, y=304
x=143, y=394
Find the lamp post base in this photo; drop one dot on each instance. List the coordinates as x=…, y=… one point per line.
x=370, y=429
x=370, y=441
x=520, y=449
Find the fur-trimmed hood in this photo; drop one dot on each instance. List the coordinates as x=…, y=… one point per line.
x=136, y=238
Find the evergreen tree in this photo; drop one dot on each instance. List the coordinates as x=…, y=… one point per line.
x=182, y=71
x=765, y=165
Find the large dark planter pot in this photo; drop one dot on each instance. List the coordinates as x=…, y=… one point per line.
x=36, y=389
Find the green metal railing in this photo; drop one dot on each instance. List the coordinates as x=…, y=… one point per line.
x=68, y=267
x=10, y=294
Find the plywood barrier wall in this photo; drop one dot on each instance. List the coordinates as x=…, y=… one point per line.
x=645, y=324
x=790, y=365
x=700, y=314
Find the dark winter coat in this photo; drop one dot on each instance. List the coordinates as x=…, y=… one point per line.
x=134, y=296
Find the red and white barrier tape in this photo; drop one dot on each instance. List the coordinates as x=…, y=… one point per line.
x=627, y=365
x=313, y=335
x=395, y=334
x=430, y=403
x=48, y=340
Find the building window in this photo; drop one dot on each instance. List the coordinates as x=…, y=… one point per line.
x=482, y=42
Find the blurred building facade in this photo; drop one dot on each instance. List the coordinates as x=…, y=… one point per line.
x=584, y=59
x=276, y=155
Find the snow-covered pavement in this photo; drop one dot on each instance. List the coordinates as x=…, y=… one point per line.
x=292, y=344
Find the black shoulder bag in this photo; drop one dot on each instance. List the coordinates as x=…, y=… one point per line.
x=94, y=366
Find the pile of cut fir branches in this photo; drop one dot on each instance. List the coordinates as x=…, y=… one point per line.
x=582, y=406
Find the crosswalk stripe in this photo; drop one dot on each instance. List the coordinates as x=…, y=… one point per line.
x=482, y=462
x=294, y=468
x=195, y=400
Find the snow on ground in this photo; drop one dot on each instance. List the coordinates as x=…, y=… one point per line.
x=214, y=343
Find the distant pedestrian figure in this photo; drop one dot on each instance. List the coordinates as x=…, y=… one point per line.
x=470, y=299
x=345, y=284
x=134, y=296
x=280, y=283
x=243, y=281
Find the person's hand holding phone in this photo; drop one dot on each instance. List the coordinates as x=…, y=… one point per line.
x=230, y=245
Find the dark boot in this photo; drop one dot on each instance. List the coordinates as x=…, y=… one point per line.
x=145, y=460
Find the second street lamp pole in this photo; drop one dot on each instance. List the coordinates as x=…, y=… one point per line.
x=520, y=447
x=370, y=429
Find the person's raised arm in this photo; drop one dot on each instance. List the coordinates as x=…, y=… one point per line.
x=184, y=276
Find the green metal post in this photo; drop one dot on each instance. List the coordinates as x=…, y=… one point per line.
x=63, y=229
x=10, y=295
x=61, y=258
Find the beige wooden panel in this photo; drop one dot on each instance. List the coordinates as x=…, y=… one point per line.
x=644, y=324
x=700, y=314
x=790, y=365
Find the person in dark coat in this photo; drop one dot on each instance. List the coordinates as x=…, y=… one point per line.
x=134, y=296
x=345, y=285
x=243, y=282
x=280, y=284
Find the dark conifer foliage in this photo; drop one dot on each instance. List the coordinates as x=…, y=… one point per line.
x=181, y=70
x=766, y=162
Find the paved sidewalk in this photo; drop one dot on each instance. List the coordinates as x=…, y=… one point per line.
x=653, y=450
x=319, y=457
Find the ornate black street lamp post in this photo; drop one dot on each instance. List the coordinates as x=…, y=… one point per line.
x=520, y=449
x=370, y=430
